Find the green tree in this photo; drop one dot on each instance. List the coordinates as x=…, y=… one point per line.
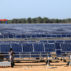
x=29, y=20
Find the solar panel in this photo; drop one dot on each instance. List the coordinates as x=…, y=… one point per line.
x=16, y=47
x=43, y=35
x=67, y=41
x=59, y=35
x=53, y=35
x=23, y=36
x=49, y=47
x=57, y=46
x=63, y=35
x=1, y=36
x=66, y=47
x=33, y=35
x=51, y=41
x=39, y=35
x=43, y=41
x=28, y=35
x=6, y=35
x=58, y=52
x=27, y=47
x=4, y=48
x=68, y=35
x=59, y=41
x=38, y=47
x=48, y=35
x=11, y=35
x=18, y=36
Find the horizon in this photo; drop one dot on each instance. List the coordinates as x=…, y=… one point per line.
x=56, y=9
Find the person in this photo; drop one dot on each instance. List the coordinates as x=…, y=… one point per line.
x=11, y=57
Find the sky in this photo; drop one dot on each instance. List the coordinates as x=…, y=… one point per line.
x=10, y=9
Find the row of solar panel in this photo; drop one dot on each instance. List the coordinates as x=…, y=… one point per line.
x=34, y=35
x=55, y=41
x=35, y=47
x=39, y=41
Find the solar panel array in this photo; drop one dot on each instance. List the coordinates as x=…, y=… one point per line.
x=42, y=47
x=12, y=35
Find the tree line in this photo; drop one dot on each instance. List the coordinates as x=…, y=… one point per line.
x=39, y=20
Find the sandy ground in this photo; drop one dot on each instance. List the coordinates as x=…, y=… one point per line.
x=38, y=67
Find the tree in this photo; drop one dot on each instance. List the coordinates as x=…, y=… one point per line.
x=39, y=20
x=29, y=20
x=45, y=20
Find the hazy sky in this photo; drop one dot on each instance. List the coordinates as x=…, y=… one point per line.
x=33, y=8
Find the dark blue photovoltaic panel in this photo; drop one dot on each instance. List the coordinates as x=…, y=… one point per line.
x=63, y=35
x=27, y=47
x=16, y=47
x=23, y=36
x=4, y=48
x=1, y=36
x=48, y=35
x=58, y=52
x=51, y=41
x=57, y=46
x=33, y=35
x=67, y=41
x=44, y=41
x=18, y=36
x=11, y=35
x=28, y=35
x=59, y=35
x=6, y=35
x=43, y=35
x=38, y=47
x=66, y=47
x=53, y=35
x=68, y=35
x=49, y=47
x=59, y=41
x=39, y=35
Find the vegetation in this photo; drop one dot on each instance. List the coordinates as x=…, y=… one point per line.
x=39, y=20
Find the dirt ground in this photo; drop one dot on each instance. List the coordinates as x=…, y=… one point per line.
x=38, y=67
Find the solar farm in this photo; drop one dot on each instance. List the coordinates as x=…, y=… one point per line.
x=36, y=48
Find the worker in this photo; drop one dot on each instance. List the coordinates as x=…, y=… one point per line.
x=11, y=57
